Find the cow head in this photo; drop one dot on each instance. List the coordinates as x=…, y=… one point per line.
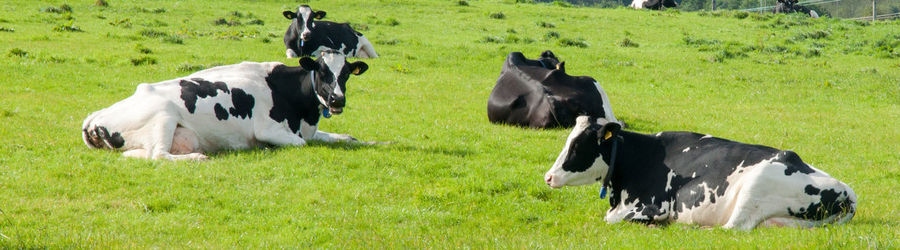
x=584, y=158
x=329, y=75
x=549, y=61
x=304, y=16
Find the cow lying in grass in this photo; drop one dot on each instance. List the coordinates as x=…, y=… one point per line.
x=653, y=4
x=694, y=178
x=539, y=94
x=791, y=6
x=305, y=36
x=236, y=106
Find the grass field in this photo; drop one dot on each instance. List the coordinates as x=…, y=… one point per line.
x=828, y=89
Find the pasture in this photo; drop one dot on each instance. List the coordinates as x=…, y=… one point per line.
x=827, y=89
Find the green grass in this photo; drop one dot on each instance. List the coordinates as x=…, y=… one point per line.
x=827, y=89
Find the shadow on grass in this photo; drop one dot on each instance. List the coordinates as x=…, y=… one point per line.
x=635, y=124
x=348, y=146
x=871, y=221
x=391, y=146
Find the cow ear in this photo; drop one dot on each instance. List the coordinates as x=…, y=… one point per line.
x=561, y=66
x=289, y=15
x=609, y=131
x=548, y=54
x=319, y=14
x=308, y=63
x=358, y=67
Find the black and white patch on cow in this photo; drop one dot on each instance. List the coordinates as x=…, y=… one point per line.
x=307, y=37
x=792, y=6
x=694, y=178
x=236, y=106
x=539, y=94
x=653, y=4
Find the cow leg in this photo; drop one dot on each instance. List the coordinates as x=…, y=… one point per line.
x=278, y=135
x=311, y=132
x=366, y=50
x=137, y=153
x=743, y=219
x=332, y=137
x=162, y=134
x=788, y=222
x=290, y=53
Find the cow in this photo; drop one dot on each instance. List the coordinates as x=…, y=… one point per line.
x=791, y=6
x=653, y=4
x=539, y=94
x=228, y=107
x=306, y=37
x=695, y=178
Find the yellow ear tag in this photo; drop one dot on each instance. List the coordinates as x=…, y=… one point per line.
x=356, y=71
x=607, y=136
x=557, y=66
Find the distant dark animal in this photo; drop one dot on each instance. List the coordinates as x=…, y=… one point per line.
x=227, y=107
x=791, y=6
x=307, y=37
x=539, y=94
x=653, y=4
x=694, y=178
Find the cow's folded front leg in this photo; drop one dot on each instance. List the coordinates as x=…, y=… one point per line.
x=279, y=137
x=332, y=137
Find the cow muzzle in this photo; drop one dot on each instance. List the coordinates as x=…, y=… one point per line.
x=304, y=36
x=336, y=103
x=548, y=178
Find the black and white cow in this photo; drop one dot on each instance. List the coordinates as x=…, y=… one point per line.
x=305, y=36
x=653, y=4
x=695, y=178
x=791, y=6
x=539, y=94
x=236, y=106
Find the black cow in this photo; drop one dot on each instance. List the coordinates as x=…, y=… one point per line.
x=653, y=4
x=695, y=178
x=539, y=94
x=305, y=36
x=227, y=107
x=791, y=6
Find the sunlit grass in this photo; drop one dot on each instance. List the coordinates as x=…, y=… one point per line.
x=827, y=89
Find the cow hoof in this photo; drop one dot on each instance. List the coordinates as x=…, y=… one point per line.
x=348, y=138
x=198, y=157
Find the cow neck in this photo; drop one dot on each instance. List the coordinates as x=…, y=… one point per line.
x=548, y=92
x=312, y=80
x=612, y=166
x=552, y=108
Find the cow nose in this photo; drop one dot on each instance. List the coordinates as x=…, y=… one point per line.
x=304, y=36
x=548, y=179
x=337, y=100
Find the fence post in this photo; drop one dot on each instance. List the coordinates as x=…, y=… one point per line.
x=714, y=5
x=873, y=11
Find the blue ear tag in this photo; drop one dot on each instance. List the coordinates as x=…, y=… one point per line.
x=301, y=43
x=603, y=193
x=326, y=113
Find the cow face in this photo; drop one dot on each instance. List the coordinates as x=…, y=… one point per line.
x=549, y=61
x=583, y=159
x=304, y=16
x=330, y=73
